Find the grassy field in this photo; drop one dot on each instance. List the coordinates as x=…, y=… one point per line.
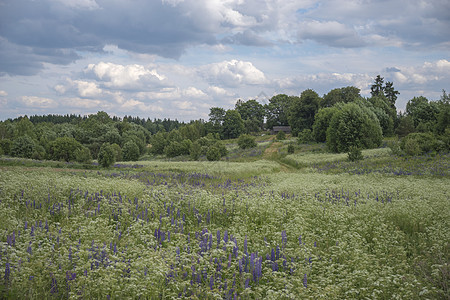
x=310, y=225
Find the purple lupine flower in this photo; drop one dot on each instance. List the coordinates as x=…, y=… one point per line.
x=225, y=236
x=7, y=271
x=300, y=240
x=54, y=286
x=247, y=282
x=283, y=239
x=211, y=282
x=305, y=281
x=315, y=244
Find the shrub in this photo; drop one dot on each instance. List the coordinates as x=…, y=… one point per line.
x=418, y=143
x=106, y=157
x=290, y=149
x=354, y=153
x=130, y=151
x=221, y=147
x=195, y=151
x=281, y=135
x=213, y=154
x=305, y=136
x=83, y=155
x=63, y=148
x=246, y=141
x=24, y=146
x=117, y=152
x=353, y=125
x=5, y=144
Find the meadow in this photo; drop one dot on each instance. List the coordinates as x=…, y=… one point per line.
x=247, y=227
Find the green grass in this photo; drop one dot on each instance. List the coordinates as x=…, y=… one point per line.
x=92, y=233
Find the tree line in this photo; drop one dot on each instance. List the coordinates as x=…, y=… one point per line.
x=342, y=119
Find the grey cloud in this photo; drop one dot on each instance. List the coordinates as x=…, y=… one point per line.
x=392, y=70
x=330, y=33
x=247, y=38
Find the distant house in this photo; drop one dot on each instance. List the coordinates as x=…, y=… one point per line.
x=276, y=129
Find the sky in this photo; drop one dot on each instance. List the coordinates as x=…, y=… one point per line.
x=178, y=58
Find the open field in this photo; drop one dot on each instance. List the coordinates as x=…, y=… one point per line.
x=230, y=229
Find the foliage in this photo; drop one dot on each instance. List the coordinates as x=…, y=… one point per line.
x=83, y=155
x=5, y=145
x=281, y=135
x=213, y=154
x=418, y=143
x=290, y=149
x=302, y=111
x=130, y=151
x=354, y=153
x=340, y=95
x=233, y=125
x=305, y=136
x=246, y=141
x=195, y=151
x=23, y=146
x=64, y=148
x=353, y=125
x=118, y=152
x=321, y=123
x=277, y=111
x=405, y=126
x=106, y=155
x=252, y=113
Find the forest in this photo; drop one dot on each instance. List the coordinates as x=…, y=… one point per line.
x=342, y=119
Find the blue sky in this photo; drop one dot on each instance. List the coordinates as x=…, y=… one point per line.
x=177, y=58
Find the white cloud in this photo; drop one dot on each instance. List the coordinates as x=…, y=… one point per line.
x=38, y=102
x=124, y=76
x=3, y=93
x=132, y=105
x=233, y=73
x=87, y=89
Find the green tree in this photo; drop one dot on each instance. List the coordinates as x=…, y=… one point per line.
x=216, y=119
x=158, y=142
x=118, y=152
x=233, y=125
x=340, y=95
x=246, y=141
x=353, y=125
x=25, y=127
x=391, y=93
x=252, y=112
x=83, y=155
x=213, y=154
x=195, y=151
x=277, y=111
x=405, y=126
x=302, y=111
x=321, y=123
x=106, y=157
x=5, y=144
x=64, y=148
x=23, y=146
x=130, y=151
x=377, y=88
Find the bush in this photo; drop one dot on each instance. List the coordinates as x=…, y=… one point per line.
x=246, y=141
x=281, y=135
x=290, y=149
x=418, y=143
x=106, y=157
x=83, y=155
x=63, y=148
x=222, y=149
x=305, y=136
x=117, y=152
x=5, y=144
x=355, y=154
x=130, y=151
x=353, y=125
x=24, y=146
x=213, y=154
x=195, y=151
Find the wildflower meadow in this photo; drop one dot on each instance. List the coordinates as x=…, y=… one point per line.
x=227, y=230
